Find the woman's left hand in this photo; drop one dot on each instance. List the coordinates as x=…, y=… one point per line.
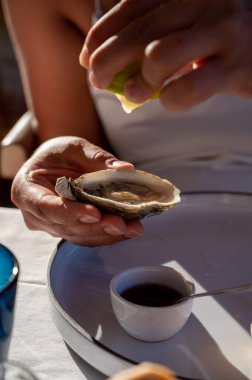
x=172, y=37
x=80, y=223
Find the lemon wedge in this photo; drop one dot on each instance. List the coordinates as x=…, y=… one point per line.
x=118, y=83
x=127, y=105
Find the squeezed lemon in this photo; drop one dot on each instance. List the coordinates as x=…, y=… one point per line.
x=118, y=83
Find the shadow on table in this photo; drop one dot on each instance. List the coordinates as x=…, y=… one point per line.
x=90, y=372
x=223, y=369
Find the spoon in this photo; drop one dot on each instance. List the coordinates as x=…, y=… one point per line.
x=233, y=289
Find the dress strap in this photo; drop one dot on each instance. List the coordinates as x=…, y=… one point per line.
x=98, y=12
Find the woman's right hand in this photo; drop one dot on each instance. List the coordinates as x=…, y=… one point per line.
x=33, y=193
x=170, y=38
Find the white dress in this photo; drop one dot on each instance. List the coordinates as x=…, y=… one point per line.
x=206, y=148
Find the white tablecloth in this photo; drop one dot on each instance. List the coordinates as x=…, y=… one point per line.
x=35, y=341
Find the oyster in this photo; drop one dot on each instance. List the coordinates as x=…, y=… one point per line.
x=130, y=193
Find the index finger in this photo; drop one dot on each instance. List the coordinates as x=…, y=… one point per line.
x=47, y=206
x=128, y=45
x=113, y=21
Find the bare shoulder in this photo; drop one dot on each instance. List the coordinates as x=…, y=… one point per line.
x=79, y=12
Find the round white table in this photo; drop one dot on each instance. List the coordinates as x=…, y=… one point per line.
x=35, y=342
x=212, y=230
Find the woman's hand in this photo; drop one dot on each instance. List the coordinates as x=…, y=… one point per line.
x=33, y=192
x=169, y=36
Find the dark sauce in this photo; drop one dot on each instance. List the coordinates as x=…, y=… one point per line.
x=152, y=294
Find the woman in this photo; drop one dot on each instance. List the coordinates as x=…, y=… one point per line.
x=197, y=149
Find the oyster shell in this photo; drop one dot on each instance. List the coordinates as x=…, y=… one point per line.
x=130, y=193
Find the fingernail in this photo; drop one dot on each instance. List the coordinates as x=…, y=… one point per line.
x=112, y=230
x=120, y=164
x=93, y=80
x=134, y=92
x=84, y=57
x=89, y=219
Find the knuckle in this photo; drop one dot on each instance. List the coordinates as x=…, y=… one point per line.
x=154, y=65
x=154, y=54
x=142, y=28
x=161, y=58
x=140, y=23
x=140, y=31
x=101, y=155
x=97, y=155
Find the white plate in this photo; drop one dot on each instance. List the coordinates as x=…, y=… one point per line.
x=209, y=237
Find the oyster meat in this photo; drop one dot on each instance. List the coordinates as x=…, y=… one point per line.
x=130, y=193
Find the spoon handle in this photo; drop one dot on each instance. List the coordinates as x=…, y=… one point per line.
x=234, y=289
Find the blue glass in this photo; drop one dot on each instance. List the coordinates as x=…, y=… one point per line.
x=9, y=271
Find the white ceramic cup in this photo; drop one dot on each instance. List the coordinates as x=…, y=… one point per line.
x=151, y=323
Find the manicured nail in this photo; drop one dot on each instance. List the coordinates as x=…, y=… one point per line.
x=84, y=57
x=120, y=164
x=89, y=219
x=112, y=230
